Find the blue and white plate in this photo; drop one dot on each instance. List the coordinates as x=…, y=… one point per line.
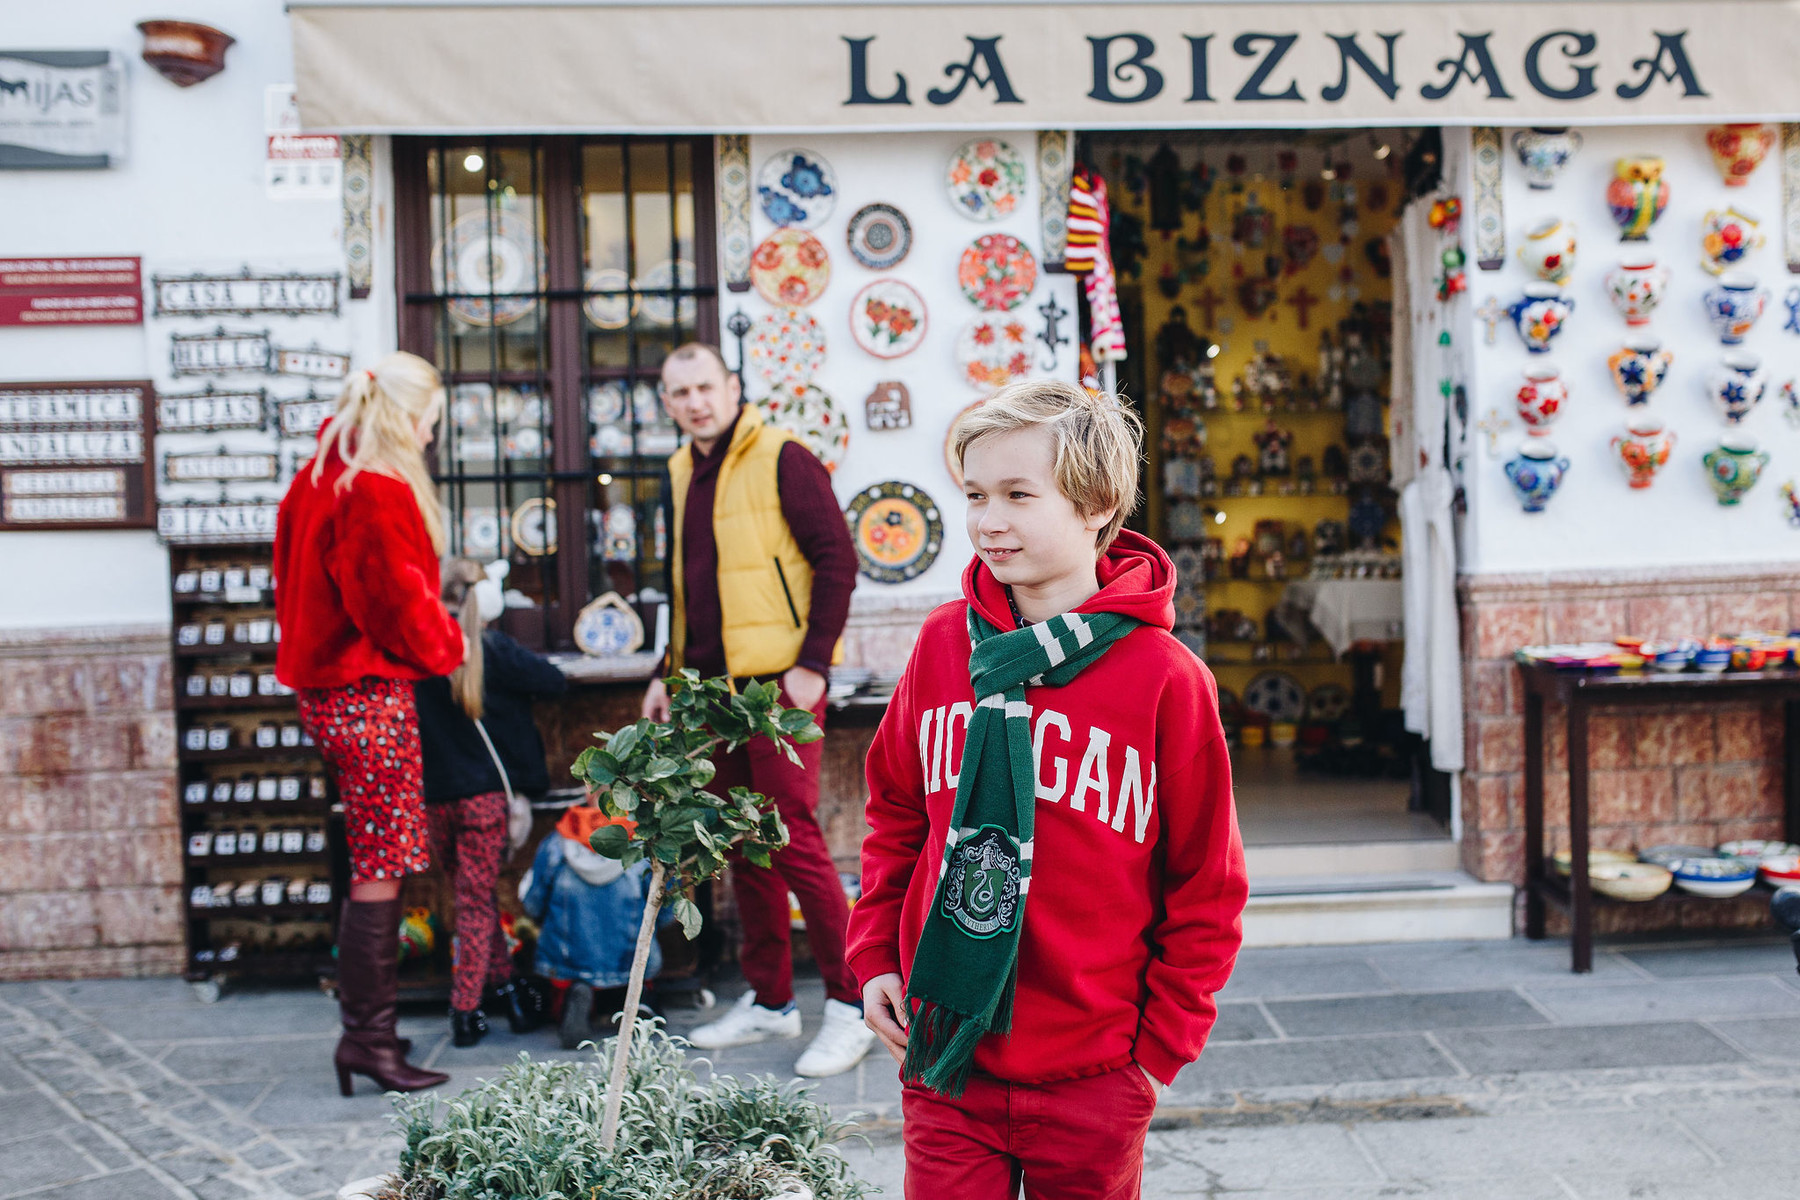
x=797, y=189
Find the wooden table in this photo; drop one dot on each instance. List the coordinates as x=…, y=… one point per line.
x=1581, y=691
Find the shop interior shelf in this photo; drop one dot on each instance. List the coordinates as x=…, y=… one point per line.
x=1555, y=888
x=316, y=858
x=1254, y=582
x=1262, y=414
x=252, y=754
x=272, y=962
x=228, y=650
x=266, y=596
x=261, y=808
x=1271, y=494
x=226, y=703
x=251, y=912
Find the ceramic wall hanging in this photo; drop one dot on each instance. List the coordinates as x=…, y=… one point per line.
x=1637, y=196
x=1490, y=221
x=1549, y=250
x=667, y=276
x=888, y=406
x=1790, y=195
x=1737, y=385
x=809, y=414
x=1643, y=450
x=1727, y=238
x=1790, y=403
x=1056, y=168
x=897, y=531
x=480, y=531
x=609, y=312
x=1536, y=472
x=1638, y=369
x=1542, y=397
x=786, y=347
x=993, y=351
x=618, y=533
x=1734, y=305
x=734, y=211
x=1790, y=503
x=1636, y=286
x=478, y=257
x=887, y=318
x=1544, y=153
x=790, y=267
x=997, y=272
x=797, y=188
x=986, y=179
x=534, y=527
x=880, y=236
x=1540, y=315
x=1734, y=466
x=607, y=627
x=1738, y=150
x=1277, y=695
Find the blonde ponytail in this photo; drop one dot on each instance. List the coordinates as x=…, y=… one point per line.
x=373, y=430
x=466, y=682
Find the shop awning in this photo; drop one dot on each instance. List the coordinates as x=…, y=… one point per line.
x=447, y=66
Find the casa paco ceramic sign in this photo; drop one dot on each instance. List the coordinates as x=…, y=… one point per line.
x=246, y=295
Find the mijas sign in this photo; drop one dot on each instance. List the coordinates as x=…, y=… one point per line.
x=1054, y=65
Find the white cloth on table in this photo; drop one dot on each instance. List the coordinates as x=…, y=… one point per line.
x=1347, y=611
x=1431, y=675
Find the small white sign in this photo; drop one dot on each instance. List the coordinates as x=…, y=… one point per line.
x=64, y=483
x=304, y=166
x=55, y=509
x=312, y=364
x=101, y=446
x=246, y=295
x=73, y=406
x=209, y=412
x=219, y=468
x=61, y=108
x=217, y=523
x=302, y=418
x=218, y=353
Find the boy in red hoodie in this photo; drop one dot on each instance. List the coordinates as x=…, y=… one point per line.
x=1048, y=728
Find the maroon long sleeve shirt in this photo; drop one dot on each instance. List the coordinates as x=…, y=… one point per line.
x=810, y=509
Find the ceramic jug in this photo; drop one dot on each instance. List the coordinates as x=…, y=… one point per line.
x=1738, y=150
x=1637, y=196
x=1549, y=250
x=1540, y=314
x=1542, y=397
x=1639, y=368
x=1536, y=472
x=1734, y=305
x=1727, y=238
x=1643, y=449
x=1734, y=466
x=1544, y=153
x=1636, y=286
x=1737, y=385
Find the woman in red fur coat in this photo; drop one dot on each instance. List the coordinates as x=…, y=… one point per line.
x=357, y=543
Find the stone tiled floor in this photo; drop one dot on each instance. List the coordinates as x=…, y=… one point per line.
x=1480, y=1071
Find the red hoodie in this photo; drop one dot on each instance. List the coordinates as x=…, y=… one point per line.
x=1134, y=919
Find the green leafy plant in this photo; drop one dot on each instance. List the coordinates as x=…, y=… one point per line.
x=654, y=773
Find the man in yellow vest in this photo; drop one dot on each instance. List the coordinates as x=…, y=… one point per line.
x=762, y=574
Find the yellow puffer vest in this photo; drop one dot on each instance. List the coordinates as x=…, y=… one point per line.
x=765, y=583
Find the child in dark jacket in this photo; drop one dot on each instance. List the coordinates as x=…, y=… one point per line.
x=472, y=724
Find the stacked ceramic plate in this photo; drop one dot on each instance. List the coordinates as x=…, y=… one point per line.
x=1780, y=870
x=845, y=681
x=1629, y=880
x=1713, y=877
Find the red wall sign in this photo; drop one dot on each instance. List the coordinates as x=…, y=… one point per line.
x=71, y=291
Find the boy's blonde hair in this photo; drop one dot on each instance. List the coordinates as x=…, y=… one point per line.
x=372, y=430
x=1098, y=443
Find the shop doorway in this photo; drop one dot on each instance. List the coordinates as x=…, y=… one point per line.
x=1255, y=285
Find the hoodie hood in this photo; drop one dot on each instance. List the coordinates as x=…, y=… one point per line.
x=1136, y=580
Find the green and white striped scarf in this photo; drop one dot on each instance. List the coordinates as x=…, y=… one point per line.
x=967, y=962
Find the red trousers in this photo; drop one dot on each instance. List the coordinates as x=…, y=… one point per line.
x=468, y=839
x=804, y=868
x=1076, y=1139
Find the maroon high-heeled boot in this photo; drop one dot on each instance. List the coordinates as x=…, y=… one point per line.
x=368, y=988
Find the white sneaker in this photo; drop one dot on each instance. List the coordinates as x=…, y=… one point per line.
x=744, y=1023
x=841, y=1044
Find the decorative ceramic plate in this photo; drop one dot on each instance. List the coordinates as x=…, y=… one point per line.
x=607, y=626
x=809, y=414
x=646, y=405
x=992, y=352
x=534, y=527
x=509, y=405
x=887, y=319
x=986, y=179
x=949, y=444
x=797, y=189
x=1328, y=702
x=790, y=267
x=667, y=274
x=897, y=530
x=469, y=407
x=609, y=312
x=1277, y=695
x=786, y=347
x=997, y=272
x=481, y=531
x=606, y=402
x=618, y=536
x=476, y=257
x=879, y=236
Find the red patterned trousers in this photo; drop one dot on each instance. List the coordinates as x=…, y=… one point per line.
x=468, y=837
x=368, y=734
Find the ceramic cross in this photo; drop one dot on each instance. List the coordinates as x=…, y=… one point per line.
x=1206, y=302
x=1490, y=313
x=1493, y=425
x=1302, y=300
x=1051, y=335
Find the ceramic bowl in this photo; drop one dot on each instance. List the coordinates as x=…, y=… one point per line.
x=1662, y=856
x=1781, y=869
x=1758, y=849
x=1712, y=660
x=1716, y=878
x=1629, y=880
x=1674, y=660
x=1283, y=733
x=1564, y=861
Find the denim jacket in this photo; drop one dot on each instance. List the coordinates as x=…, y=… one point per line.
x=587, y=932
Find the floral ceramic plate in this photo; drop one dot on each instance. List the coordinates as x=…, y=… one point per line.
x=667, y=274
x=1277, y=695
x=986, y=179
x=809, y=414
x=606, y=402
x=897, y=530
x=786, y=347
x=797, y=189
x=790, y=267
x=1328, y=702
x=992, y=352
x=476, y=257
x=607, y=626
x=887, y=319
x=534, y=527
x=997, y=272
x=609, y=312
x=481, y=531
x=880, y=236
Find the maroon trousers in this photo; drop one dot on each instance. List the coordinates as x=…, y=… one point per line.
x=804, y=868
x=1075, y=1139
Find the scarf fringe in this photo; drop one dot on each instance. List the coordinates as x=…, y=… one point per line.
x=940, y=1049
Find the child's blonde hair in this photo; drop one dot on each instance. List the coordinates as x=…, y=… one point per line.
x=460, y=577
x=372, y=430
x=1099, y=443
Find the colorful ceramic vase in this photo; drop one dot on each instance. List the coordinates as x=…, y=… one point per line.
x=1636, y=286
x=1536, y=472
x=1734, y=305
x=1790, y=499
x=1727, y=238
x=1734, y=467
x=1638, y=369
x=1544, y=153
x=1637, y=196
x=1549, y=250
x=1542, y=397
x=1738, y=150
x=1643, y=450
x=1540, y=315
x=1737, y=385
